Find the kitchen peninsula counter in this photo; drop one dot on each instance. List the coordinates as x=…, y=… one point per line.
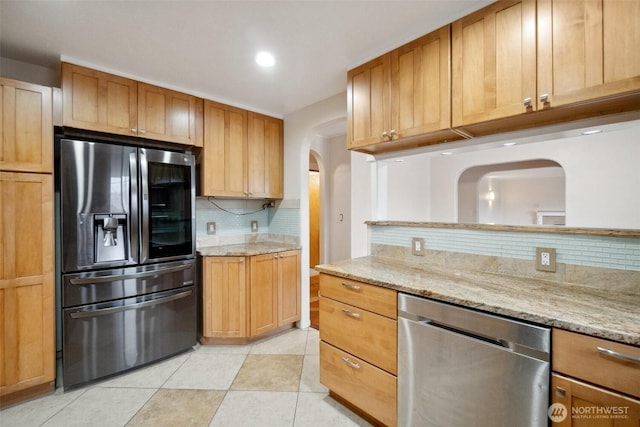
x=247, y=249
x=585, y=309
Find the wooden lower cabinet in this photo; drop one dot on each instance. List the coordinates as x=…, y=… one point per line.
x=595, y=380
x=246, y=297
x=589, y=406
x=27, y=323
x=274, y=290
x=369, y=388
x=369, y=335
x=225, y=297
x=358, y=347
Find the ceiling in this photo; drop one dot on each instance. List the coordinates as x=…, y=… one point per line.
x=207, y=47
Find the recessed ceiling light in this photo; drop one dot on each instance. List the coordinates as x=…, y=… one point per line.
x=399, y=160
x=265, y=59
x=509, y=144
x=591, y=132
x=446, y=153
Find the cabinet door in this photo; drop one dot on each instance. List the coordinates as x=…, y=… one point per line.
x=265, y=156
x=223, y=159
x=263, y=293
x=421, y=85
x=167, y=115
x=27, y=328
x=368, y=110
x=585, y=49
x=288, y=287
x=99, y=101
x=26, y=127
x=224, y=295
x=587, y=405
x=494, y=62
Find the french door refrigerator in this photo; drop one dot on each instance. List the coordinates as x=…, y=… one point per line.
x=127, y=243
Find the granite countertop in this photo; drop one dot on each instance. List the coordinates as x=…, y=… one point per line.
x=246, y=249
x=588, y=310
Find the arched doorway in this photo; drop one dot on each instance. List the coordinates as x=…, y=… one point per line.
x=314, y=237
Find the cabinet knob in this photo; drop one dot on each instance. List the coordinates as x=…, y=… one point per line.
x=544, y=97
x=392, y=133
x=385, y=134
x=527, y=102
x=142, y=131
x=134, y=130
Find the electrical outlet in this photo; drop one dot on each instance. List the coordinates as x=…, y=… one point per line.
x=546, y=259
x=417, y=246
x=211, y=228
x=254, y=226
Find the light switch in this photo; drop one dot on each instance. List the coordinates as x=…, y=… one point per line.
x=254, y=226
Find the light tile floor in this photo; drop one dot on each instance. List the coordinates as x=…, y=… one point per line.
x=273, y=382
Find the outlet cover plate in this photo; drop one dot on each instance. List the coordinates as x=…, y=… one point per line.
x=546, y=259
x=417, y=246
x=211, y=228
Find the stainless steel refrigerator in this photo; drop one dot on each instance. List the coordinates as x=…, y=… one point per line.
x=127, y=243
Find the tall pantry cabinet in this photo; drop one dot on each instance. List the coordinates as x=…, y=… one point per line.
x=27, y=324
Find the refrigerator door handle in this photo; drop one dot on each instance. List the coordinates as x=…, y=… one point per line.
x=111, y=310
x=134, y=223
x=103, y=279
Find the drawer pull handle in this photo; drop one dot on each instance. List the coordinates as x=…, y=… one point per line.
x=350, y=286
x=351, y=313
x=350, y=363
x=616, y=355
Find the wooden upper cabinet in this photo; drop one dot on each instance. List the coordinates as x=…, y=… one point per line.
x=587, y=49
x=223, y=159
x=421, y=85
x=167, y=115
x=98, y=101
x=265, y=156
x=403, y=98
x=26, y=127
x=368, y=109
x=494, y=62
x=104, y=102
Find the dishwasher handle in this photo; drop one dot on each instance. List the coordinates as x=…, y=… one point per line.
x=484, y=338
x=500, y=342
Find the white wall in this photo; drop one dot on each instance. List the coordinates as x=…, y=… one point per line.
x=363, y=201
x=517, y=199
x=26, y=72
x=300, y=129
x=335, y=197
x=602, y=176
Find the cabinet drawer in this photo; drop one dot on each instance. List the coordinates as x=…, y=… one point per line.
x=373, y=298
x=365, y=386
x=578, y=356
x=367, y=335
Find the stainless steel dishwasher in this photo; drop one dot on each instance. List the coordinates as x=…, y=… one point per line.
x=459, y=367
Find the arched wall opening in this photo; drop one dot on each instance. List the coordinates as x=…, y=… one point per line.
x=513, y=193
